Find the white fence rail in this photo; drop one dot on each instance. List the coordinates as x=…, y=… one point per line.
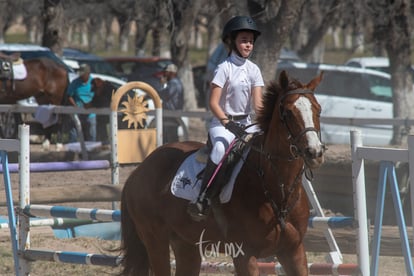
x=205, y=115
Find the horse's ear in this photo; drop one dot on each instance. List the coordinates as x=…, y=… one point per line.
x=315, y=82
x=283, y=79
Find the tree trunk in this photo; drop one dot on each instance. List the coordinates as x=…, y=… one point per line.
x=140, y=38
x=108, y=35
x=358, y=27
x=275, y=32
x=183, y=18
x=316, y=36
x=124, y=28
x=7, y=15
x=392, y=26
x=52, y=24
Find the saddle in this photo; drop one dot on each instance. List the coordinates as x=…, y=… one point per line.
x=230, y=160
x=6, y=67
x=13, y=58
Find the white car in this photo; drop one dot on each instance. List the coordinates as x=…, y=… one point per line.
x=375, y=63
x=349, y=92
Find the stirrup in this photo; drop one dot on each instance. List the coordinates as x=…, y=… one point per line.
x=199, y=210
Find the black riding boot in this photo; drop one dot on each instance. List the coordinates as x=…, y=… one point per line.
x=199, y=209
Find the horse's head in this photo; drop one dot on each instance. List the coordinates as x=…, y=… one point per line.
x=102, y=92
x=97, y=85
x=300, y=113
x=293, y=107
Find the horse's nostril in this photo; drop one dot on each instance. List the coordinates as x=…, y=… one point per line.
x=312, y=153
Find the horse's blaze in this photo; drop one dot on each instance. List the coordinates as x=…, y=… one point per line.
x=315, y=148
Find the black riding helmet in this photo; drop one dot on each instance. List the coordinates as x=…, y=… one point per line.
x=239, y=23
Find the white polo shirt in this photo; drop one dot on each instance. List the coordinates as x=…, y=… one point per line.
x=237, y=76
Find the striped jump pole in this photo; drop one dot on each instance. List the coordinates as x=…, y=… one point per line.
x=206, y=267
x=331, y=222
x=72, y=212
x=53, y=222
x=72, y=257
x=276, y=268
x=62, y=166
x=115, y=215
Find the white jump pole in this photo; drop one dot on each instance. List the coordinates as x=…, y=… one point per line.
x=24, y=196
x=360, y=205
x=158, y=125
x=113, y=119
x=410, y=176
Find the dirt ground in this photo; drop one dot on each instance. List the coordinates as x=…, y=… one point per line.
x=44, y=239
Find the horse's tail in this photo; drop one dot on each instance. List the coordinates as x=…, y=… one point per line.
x=135, y=260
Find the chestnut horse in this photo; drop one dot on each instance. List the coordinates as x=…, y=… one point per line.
x=46, y=80
x=267, y=214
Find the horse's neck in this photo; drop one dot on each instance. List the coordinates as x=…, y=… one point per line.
x=278, y=160
x=276, y=143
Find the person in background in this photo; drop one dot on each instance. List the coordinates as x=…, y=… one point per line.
x=79, y=94
x=172, y=96
x=219, y=54
x=236, y=93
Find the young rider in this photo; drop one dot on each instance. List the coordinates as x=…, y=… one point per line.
x=236, y=88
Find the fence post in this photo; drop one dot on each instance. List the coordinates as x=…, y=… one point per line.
x=360, y=206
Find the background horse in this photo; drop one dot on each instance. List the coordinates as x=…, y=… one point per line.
x=267, y=214
x=46, y=81
x=103, y=91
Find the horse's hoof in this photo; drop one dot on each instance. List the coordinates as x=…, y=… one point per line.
x=59, y=146
x=46, y=145
x=195, y=212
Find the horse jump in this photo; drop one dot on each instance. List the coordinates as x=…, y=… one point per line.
x=111, y=261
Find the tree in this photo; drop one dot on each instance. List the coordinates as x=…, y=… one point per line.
x=7, y=16
x=124, y=11
x=149, y=16
x=275, y=19
x=318, y=27
x=183, y=14
x=52, y=26
x=391, y=21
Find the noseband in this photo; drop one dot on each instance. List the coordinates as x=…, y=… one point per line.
x=294, y=149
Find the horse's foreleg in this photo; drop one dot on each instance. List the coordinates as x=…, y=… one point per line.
x=295, y=262
x=292, y=254
x=187, y=257
x=246, y=266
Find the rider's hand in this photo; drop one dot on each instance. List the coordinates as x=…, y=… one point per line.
x=235, y=128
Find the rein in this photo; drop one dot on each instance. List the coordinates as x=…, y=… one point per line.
x=282, y=211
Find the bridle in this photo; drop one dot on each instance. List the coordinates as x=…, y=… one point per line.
x=294, y=139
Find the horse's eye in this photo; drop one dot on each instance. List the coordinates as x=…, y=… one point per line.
x=288, y=113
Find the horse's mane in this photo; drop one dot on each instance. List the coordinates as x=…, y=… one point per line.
x=269, y=99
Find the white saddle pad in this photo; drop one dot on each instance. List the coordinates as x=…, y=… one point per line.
x=186, y=185
x=19, y=71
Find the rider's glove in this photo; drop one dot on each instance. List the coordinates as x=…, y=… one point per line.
x=235, y=128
